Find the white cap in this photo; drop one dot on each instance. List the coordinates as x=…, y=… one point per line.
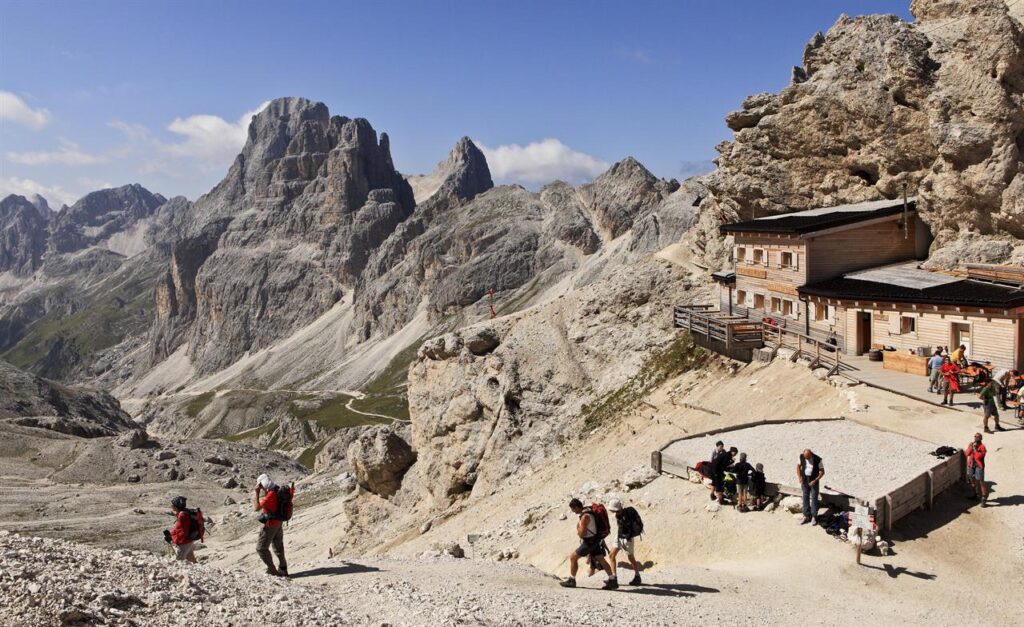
x=265, y=481
x=615, y=505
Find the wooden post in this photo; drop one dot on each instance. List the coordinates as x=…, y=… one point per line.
x=929, y=488
x=860, y=537
x=888, y=512
x=656, y=461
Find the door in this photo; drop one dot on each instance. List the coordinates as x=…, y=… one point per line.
x=863, y=332
x=960, y=333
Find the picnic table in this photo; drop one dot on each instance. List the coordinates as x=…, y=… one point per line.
x=968, y=376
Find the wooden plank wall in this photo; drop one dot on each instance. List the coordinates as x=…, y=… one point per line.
x=868, y=246
x=992, y=338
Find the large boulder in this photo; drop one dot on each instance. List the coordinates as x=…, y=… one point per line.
x=136, y=438
x=379, y=459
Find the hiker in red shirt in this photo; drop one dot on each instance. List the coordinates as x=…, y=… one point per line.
x=950, y=384
x=272, y=534
x=975, y=453
x=181, y=535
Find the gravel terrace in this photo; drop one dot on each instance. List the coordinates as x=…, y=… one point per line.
x=858, y=460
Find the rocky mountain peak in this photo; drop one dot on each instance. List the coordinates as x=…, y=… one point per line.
x=22, y=236
x=101, y=214
x=617, y=196
x=460, y=177
x=41, y=205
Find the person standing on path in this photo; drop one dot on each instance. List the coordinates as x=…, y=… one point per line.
x=272, y=533
x=950, y=380
x=743, y=470
x=975, y=453
x=181, y=534
x=722, y=461
x=1003, y=377
x=591, y=546
x=810, y=469
x=630, y=526
x=935, y=372
x=988, y=396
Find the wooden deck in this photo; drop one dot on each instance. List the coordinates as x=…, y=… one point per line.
x=873, y=373
x=732, y=330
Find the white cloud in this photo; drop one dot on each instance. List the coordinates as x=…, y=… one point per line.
x=14, y=109
x=92, y=184
x=69, y=153
x=55, y=195
x=134, y=132
x=209, y=137
x=541, y=162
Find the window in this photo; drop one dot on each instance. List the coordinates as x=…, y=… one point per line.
x=788, y=308
x=740, y=254
x=823, y=313
x=759, y=301
x=741, y=297
x=759, y=256
x=776, y=304
x=908, y=324
x=786, y=260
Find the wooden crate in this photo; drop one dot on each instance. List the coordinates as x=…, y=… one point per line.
x=905, y=362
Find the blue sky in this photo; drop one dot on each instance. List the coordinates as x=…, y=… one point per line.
x=106, y=93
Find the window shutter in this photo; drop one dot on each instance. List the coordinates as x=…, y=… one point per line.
x=796, y=261
x=894, y=323
x=812, y=311
x=764, y=257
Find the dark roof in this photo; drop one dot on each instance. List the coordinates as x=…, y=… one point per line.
x=809, y=221
x=965, y=293
x=724, y=276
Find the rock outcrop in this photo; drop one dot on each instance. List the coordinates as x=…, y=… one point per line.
x=100, y=216
x=379, y=459
x=878, y=106
x=32, y=401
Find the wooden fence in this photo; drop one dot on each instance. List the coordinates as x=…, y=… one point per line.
x=732, y=331
x=822, y=354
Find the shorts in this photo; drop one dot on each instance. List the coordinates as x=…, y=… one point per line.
x=933, y=377
x=990, y=410
x=976, y=473
x=182, y=551
x=625, y=545
x=591, y=548
x=742, y=489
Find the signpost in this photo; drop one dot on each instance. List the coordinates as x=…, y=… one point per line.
x=471, y=539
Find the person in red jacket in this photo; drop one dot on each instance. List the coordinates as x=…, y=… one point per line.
x=950, y=383
x=184, y=548
x=272, y=534
x=975, y=453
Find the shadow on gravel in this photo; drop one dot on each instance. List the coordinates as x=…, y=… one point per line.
x=1004, y=501
x=669, y=589
x=345, y=569
x=896, y=571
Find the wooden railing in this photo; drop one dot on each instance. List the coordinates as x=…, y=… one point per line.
x=822, y=354
x=734, y=331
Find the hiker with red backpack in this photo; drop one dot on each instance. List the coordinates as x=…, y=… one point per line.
x=276, y=504
x=188, y=528
x=593, y=527
x=630, y=526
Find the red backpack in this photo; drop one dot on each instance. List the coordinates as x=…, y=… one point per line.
x=600, y=515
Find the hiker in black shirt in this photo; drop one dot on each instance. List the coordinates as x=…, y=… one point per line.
x=722, y=461
x=758, y=486
x=742, y=471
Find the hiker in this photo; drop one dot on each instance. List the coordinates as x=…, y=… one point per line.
x=630, y=526
x=275, y=503
x=186, y=530
x=742, y=470
x=716, y=485
x=810, y=470
x=988, y=396
x=1004, y=378
x=758, y=487
x=935, y=371
x=975, y=453
x=719, y=464
x=592, y=529
x=950, y=380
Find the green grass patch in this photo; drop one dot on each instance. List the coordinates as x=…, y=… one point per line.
x=264, y=429
x=308, y=456
x=386, y=393
x=680, y=356
x=332, y=413
x=199, y=403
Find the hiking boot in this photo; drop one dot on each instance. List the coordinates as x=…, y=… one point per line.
x=282, y=572
x=569, y=582
x=273, y=572
x=712, y=496
x=611, y=584
x=635, y=581
x=814, y=522
x=806, y=520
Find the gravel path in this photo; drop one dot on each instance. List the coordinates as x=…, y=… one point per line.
x=858, y=460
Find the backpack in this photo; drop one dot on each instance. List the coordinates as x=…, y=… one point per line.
x=944, y=451
x=631, y=521
x=600, y=515
x=196, y=525
x=284, y=503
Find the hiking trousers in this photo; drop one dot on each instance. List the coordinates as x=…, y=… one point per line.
x=810, y=500
x=272, y=536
